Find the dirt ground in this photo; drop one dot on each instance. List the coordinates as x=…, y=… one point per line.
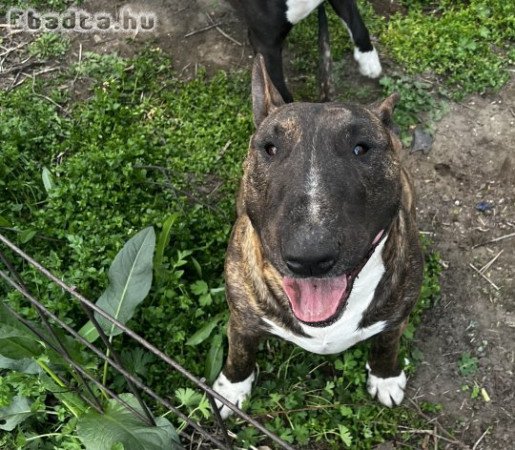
x=472, y=161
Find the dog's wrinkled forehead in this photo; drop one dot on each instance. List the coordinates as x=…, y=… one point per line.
x=297, y=122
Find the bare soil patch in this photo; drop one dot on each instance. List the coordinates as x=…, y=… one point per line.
x=471, y=162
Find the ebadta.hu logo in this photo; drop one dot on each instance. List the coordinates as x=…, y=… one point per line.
x=78, y=20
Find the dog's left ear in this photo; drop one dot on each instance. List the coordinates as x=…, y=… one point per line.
x=384, y=110
x=265, y=97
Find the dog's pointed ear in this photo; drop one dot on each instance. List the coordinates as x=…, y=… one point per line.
x=265, y=97
x=384, y=110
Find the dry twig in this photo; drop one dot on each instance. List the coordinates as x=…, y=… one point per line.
x=472, y=266
x=432, y=433
x=449, y=436
x=201, y=30
x=489, y=263
x=480, y=438
x=500, y=238
x=222, y=32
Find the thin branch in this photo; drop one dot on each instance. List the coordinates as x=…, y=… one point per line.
x=12, y=49
x=500, y=238
x=201, y=30
x=489, y=263
x=484, y=276
x=439, y=425
x=222, y=32
x=48, y=99
x=432, y=433
x=480, y=438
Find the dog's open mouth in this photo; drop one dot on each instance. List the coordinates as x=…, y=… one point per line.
x=317, y=301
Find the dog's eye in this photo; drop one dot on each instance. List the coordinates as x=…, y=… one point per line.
x=270, y=149
x=360, y=149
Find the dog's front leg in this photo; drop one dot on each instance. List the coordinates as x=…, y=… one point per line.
x=235, y=380
x=364, y=52
x=386, y=380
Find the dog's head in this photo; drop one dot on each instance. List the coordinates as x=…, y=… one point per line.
x=321, y=188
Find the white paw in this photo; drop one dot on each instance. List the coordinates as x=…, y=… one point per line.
x=234, y=392
x=389, y=391
x=369, y=64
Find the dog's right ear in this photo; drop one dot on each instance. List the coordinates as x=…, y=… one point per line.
x=265, y=97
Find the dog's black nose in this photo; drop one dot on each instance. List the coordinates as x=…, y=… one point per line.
x=313, y=264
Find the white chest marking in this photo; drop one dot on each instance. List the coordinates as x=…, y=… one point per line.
x=296, y=10
x=343, y=333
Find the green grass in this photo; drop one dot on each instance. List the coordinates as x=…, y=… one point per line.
x=39, y=5
x=110, y=146
x=465, y=44
x=100, y=155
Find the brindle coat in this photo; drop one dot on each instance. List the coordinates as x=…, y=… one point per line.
x=254, y=269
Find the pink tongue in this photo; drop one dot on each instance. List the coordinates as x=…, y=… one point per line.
x=315, y=299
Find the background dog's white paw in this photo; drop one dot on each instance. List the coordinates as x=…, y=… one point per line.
x=369, y=64
x=234, y=392
x=389, y=391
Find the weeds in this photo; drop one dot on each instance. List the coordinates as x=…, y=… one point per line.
x=465, y=45
x=48, y=45
x=467, y=364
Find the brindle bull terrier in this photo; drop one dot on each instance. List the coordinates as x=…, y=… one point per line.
x=325, y=250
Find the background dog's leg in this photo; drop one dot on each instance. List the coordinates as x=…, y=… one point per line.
x=271, y=49
x=325, y=63
x=235, y=380
x=364, y=52
x=385, y=378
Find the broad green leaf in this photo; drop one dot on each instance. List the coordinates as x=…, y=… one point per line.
x=16, y=340
x=202, y=334
x=15, y=344
x=4, y=223
x=48, y=179
x=196, y=264
x=73, y=347
x=16, y=412
x=162, y=243
x=69, y=398
x=130, y=278
x=120, y=426
x=26, y=365
x=89, y=332
x=214, y=359
x=27, y=235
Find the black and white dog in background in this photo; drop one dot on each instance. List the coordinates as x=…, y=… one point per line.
x=270, y=21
